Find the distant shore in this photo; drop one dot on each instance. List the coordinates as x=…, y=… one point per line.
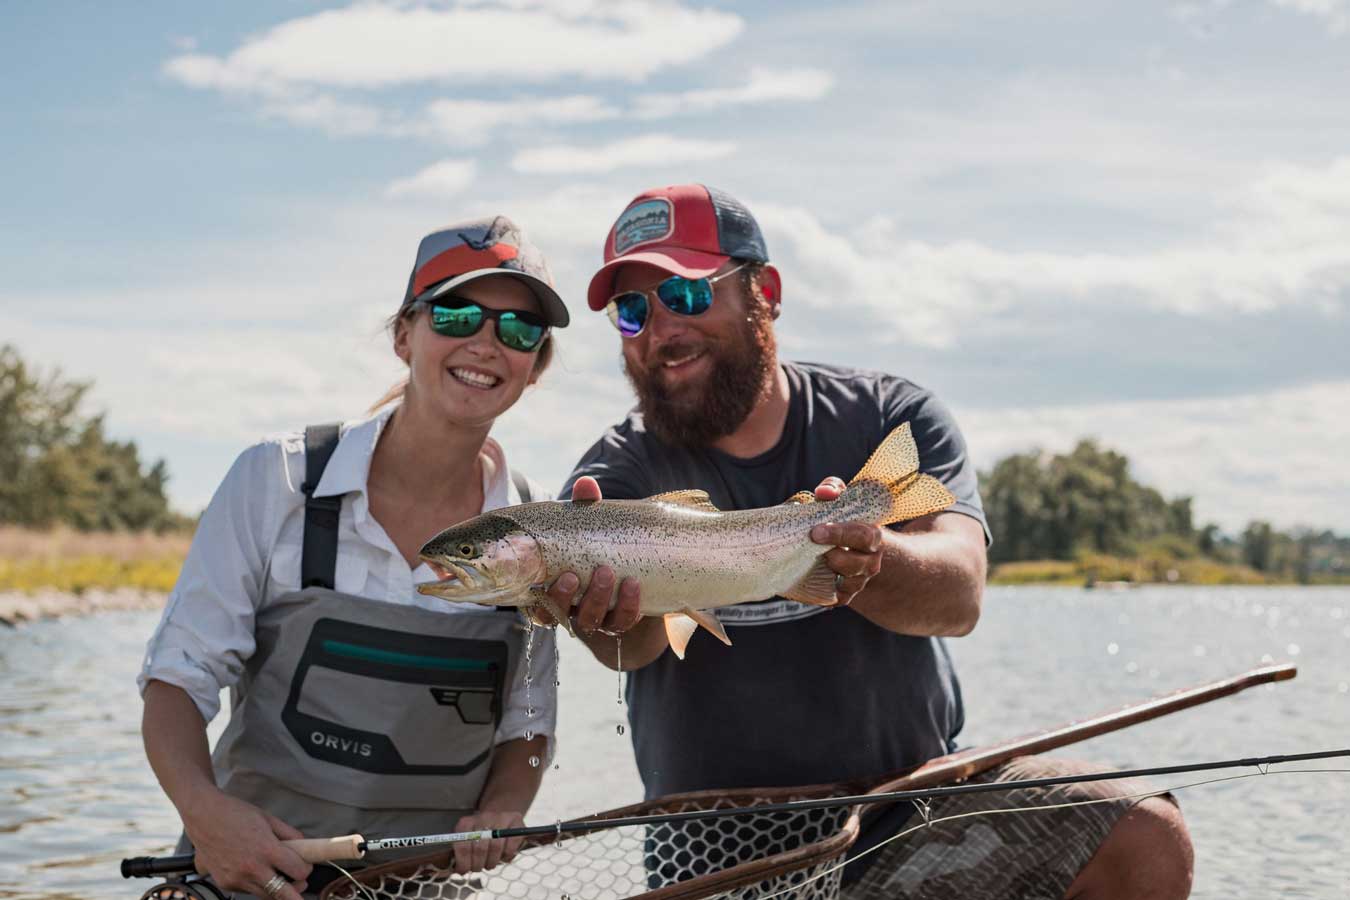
x=17, y=607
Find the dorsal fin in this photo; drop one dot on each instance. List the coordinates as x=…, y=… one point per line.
x=695, y=499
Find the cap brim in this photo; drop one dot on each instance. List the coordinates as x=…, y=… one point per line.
x=675, y=260
x=555, y=311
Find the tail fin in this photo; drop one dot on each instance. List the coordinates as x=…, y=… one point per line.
x=895, y=466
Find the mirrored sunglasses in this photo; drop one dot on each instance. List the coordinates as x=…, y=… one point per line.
x=456, y=317
x=630, y=310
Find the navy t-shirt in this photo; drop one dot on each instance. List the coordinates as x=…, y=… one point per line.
x=805, y=694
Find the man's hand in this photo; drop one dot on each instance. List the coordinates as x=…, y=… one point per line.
x=591, y=611
x=240, y=847
x=475, y=856
x=856, y=557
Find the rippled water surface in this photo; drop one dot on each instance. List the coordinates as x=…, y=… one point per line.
x=76, y=795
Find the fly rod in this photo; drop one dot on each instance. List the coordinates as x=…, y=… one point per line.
x=918, y=784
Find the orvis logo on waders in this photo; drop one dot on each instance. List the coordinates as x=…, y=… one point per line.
x=396, y=703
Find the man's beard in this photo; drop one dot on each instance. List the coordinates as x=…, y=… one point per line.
x=700, y=413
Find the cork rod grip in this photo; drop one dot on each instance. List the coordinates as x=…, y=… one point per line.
x=317, y=850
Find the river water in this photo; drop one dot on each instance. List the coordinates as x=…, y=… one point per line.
x=76, y=794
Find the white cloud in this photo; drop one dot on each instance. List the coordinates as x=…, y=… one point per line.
x=376, y=44
x=764, y=86
x=1281, y=244
x=646, y=151
x=1336, y=13
x=443, y=179
x=1270, y=455
x=470, y=122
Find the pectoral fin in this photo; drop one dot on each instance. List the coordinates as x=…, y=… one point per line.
x=816, y=586
x=679, y=629
x=558, y=615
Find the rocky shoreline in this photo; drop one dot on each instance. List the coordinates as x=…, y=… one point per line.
x=17, y=608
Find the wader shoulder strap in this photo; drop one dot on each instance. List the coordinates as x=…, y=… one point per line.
x=318, y=558
x=522, y=486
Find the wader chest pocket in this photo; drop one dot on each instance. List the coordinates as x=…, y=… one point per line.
x=396, y=703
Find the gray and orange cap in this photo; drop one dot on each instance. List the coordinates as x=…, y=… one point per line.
x=685, y=229
x=458, y=254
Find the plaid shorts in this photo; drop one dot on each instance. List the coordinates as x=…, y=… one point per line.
x=1021, y=856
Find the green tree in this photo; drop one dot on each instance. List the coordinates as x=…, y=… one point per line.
x=61, y=467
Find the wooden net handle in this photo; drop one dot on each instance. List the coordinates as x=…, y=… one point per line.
x=319, y=850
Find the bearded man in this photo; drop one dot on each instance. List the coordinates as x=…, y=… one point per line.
x=811, y=694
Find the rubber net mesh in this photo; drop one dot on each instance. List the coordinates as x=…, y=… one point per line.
x=634, y=860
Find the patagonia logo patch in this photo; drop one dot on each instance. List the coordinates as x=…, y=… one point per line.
x=642, y=223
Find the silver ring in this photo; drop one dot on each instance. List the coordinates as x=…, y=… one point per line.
x=275, y=884
x=838, y=584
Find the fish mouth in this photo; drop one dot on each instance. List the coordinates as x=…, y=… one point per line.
x=462, y=581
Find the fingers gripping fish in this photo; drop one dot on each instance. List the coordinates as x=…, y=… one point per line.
x=689, y=556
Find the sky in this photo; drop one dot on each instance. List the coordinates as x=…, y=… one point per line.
x=1069, y=218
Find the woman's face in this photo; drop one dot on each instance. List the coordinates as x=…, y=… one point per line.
x=470, y=380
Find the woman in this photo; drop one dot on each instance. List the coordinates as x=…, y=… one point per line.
x=359, y=705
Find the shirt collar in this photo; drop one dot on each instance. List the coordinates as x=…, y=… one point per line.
x=348, y=469
x=349, y=466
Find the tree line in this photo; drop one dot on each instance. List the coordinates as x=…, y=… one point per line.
x=1064, y=506
x=61, y=468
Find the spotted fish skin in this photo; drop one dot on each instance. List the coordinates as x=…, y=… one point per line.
x=687, y=555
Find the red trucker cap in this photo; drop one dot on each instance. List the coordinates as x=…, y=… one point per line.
x=685, y=229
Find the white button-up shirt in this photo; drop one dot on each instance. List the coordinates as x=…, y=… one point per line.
x=246, y=553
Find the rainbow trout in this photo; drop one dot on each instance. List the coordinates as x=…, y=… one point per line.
x=689, y=556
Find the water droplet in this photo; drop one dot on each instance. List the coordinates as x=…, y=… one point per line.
x=1113, y=648
x=534, y=761
x=529, y=679
x=529, y=735
x=618, y=729
x=557, y=683
x=1292, y=649
x=529, y=710
x=555, y=767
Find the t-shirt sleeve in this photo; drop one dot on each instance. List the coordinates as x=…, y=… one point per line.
x=942, y=449
x=617, y=462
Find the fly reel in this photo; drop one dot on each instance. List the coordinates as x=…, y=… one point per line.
x=197, y=889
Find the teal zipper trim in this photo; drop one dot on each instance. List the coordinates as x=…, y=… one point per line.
x=371, y=654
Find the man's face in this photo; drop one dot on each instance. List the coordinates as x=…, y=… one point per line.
x=698, y=377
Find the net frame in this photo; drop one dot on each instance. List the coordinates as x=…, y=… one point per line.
x=795, y=867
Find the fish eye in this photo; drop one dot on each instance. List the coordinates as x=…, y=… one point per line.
x=466, y=550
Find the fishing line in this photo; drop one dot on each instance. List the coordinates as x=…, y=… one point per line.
x=361, y=889
x=1143, y=795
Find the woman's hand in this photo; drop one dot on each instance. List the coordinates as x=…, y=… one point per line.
x=856, y=557
x=592, y=611
x=475, y=856
x=240, y=847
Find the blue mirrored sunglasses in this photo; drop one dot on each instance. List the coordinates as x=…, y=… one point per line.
x=630, y=310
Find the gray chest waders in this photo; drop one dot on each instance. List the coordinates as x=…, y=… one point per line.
x=359, y=716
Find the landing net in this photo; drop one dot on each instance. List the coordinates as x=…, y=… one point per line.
x=749, y=857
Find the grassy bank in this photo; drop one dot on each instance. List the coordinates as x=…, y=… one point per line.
x=74, y=562
x=1101, y=569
